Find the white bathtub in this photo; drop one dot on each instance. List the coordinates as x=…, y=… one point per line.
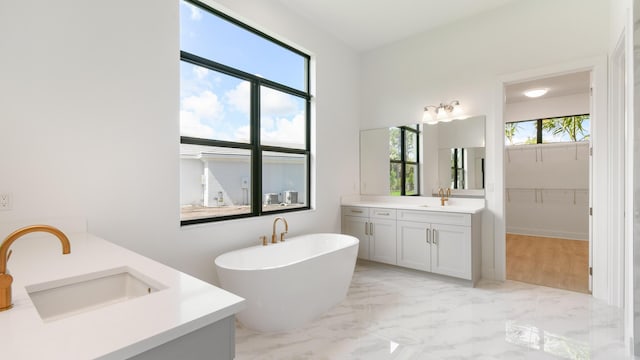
x=289, y=283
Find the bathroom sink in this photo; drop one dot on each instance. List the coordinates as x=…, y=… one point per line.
x=65, y=297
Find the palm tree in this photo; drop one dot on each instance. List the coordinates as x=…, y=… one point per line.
x=510, y=130
x=573, y=126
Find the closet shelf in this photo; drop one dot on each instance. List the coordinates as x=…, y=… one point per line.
x=544, y=189
x=538, y=192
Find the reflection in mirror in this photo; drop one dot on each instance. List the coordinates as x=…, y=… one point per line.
x=403, y=160
x=449, y=154
x=389, y=161
x=461, y=168
x=454, y=156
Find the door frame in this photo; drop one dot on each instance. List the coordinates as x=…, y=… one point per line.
x=603, y=261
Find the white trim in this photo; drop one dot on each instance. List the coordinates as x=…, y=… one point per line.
x=568, y=235
x=601, y=259
x=616, y=168
x=627, y=34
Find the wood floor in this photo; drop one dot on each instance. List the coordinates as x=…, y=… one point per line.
x=558, y=263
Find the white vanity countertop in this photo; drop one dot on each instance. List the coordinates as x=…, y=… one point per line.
x=455, y=205
x=116, y=331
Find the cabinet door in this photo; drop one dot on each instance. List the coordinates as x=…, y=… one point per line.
x=358, y=227
x=382, y=247
x=413, y=251
x=451, y=250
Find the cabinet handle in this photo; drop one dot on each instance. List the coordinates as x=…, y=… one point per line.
x=366, y=231
x=356, y=211
x=370, y=228
x=428, y=236
x=384, y=213
x=435, y=236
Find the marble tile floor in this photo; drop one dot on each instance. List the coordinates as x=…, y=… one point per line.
x=394, y=313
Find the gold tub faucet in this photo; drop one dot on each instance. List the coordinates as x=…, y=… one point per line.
x=6, y=279
x=274, y=239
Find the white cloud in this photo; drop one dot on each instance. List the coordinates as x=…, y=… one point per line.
x=267, y=122
x=273, y=103
x=198, y=113
x=200, y=72
x=205, y=106
x=196, y=14
x=190, y=125
x=286, y=132
x=243, y=133
x=239, y=97
x=276, y=103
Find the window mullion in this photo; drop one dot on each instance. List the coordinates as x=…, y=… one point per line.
x=256, y=160
x=403, y=164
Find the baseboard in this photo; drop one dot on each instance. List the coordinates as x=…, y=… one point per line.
x=549, y=233
x=489, y=274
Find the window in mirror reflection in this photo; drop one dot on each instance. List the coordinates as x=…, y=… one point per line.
x=457, y=168
x=403, y=160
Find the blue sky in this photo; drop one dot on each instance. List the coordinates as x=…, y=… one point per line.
x=527, y=129
x=216, y=106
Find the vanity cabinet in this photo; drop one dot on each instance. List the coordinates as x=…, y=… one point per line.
x=376, y=230
x=444, y=243
x=438, y=248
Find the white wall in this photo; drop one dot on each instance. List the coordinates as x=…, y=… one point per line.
x=542, y=108
x=465, y=60
x=547, y=190
x=89, y=103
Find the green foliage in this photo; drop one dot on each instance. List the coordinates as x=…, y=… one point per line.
x=394, y=143
x=510, y=129
x=567, y=128
x=395, y=178
x=573, y=126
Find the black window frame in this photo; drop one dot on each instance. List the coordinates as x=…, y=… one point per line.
x=403, y=159
x=457, y=168
x=539, y=135
x=254, y=146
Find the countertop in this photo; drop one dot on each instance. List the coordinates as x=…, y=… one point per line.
x=455, y=205
x=116, y=331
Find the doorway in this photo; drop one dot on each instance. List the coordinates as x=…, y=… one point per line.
x=547, y=164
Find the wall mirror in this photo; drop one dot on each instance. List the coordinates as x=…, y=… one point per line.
x=450, y=154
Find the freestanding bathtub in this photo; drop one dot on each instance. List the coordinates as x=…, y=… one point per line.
x=289, y=283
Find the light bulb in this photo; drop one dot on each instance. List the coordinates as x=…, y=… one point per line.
x=457, y=110
x=427, y=117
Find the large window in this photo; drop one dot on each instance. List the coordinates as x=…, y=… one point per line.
x=244, y=120
x=550, y=130
x=403, y=160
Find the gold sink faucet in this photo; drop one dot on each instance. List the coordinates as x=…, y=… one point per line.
x=274, y=239
x=6, y=279
x=444, y=195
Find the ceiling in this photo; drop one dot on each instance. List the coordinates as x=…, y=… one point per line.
x=368, y=24
x=569, y=84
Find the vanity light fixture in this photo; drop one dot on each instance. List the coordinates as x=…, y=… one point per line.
x=442, y=113
x=534, y=93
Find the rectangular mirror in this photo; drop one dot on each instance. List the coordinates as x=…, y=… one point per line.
x=448, y=154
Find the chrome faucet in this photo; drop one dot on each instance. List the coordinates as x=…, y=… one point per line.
x=274, y=239
x=6, y=279
x=444, y=195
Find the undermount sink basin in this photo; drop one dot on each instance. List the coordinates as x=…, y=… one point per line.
x=65, y=297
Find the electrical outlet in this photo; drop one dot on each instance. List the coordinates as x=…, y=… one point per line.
x=5, y=202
